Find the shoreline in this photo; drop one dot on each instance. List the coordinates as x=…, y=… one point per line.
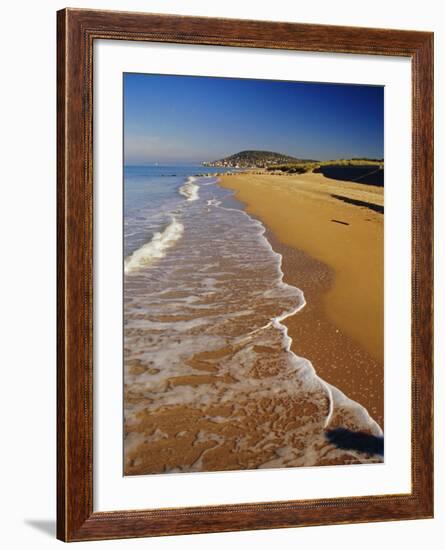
x=321, y=332
x=238, y=404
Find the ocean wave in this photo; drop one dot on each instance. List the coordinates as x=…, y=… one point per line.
x=156, y=248
x=190, y=190
x=213, y=202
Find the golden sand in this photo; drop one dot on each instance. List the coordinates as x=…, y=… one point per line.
x=333, y=251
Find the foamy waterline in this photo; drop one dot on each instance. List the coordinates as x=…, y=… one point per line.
x=156, y=248
x=335, y=395
x=190, y=190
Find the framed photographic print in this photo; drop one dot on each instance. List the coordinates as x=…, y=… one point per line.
x=244, y=275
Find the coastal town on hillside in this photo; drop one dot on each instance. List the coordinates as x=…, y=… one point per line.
x=362, y=170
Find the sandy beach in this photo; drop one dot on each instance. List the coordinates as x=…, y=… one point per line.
x=330, y=234
x=209, y=382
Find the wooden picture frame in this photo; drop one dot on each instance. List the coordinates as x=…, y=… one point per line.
x=77, y=31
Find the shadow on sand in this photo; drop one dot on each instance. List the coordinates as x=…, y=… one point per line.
x=367, y=174
x=376, y=207
x=357, y=441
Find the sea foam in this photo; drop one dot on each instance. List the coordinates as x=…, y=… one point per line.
x=190, y=190
x=156, y=248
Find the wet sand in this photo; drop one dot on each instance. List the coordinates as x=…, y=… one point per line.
x=333, y=251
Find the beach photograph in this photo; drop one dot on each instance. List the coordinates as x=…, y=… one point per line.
x=253, y=262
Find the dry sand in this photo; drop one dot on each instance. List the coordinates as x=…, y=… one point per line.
x=333, y=251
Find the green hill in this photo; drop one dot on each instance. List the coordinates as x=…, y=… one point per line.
x=254, y=159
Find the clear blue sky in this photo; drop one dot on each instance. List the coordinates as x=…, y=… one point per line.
x=193, y=119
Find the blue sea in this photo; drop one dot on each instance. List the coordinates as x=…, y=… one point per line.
x=151, y=194
x=211, y=381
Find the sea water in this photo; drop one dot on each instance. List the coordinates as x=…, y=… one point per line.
x=204, y=301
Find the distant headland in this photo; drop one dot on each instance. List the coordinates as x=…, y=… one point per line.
x=254, y=159
x=361, y=170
